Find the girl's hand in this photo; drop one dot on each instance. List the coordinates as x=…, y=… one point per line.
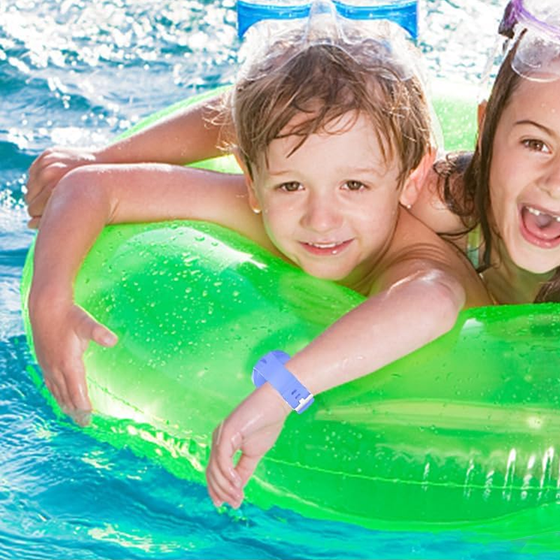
x=45, y=173
x=61, y=334
x=252, y=428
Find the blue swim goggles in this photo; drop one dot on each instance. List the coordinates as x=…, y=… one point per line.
x=403, y=12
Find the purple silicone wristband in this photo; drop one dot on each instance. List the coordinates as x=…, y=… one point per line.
x=271, y=368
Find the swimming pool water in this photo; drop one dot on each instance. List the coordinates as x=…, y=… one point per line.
x=77, y=72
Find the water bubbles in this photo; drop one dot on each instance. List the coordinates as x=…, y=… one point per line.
x=193, y=447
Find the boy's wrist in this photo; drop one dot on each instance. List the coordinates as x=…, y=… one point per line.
x=42, y=297
x=274, y=398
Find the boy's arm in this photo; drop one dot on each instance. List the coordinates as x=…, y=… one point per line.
x=86, y=200
x=184, y=137
x=419, y=300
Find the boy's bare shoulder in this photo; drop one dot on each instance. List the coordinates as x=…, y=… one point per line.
x=413, y=239
x=416, y=248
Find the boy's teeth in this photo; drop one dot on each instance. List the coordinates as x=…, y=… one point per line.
x=324, y=245
x=536, y=212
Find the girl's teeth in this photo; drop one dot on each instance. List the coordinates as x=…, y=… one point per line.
x=536, y=212
x=324, y=245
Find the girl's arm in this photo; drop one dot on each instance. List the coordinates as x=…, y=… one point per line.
x=84, y=202
x=419, y=299
x=184, y=137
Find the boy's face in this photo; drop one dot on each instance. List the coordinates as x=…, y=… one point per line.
x=332, y=206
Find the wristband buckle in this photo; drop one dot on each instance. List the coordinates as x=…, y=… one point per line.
x=271, y=368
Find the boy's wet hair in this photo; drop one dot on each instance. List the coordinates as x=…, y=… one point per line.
x=322, y=82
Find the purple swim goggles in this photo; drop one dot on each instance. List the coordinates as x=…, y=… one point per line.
x=534, y=27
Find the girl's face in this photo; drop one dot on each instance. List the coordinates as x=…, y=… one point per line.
x=332, y=205
x=525, y=176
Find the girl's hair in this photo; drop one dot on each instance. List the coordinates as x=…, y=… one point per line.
x=470, y=199
x=322, y=82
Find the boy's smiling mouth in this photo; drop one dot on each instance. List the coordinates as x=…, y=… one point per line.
x=540, y=227
x=325, y=248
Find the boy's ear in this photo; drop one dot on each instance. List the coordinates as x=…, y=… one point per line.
x=417, y=179
x=250, y=184
x=253, y=200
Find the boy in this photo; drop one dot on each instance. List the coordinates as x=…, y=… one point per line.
x=332, y=129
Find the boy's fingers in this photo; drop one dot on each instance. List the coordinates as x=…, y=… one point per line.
x=103, y=336
x=220, y=474
x=37, y=203
x=218, y=480
x=61, y=393
x=222, y=487
x=81, y=417
x=35, y=183
x=32, y=174
x=53, y=390
x=223, y=484
x=214, y=497
x=245, y=468
x=77, y=388
x=89, y=329
x=42, y=171
x=224, y=447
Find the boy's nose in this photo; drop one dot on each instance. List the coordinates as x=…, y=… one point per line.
x=322, y=214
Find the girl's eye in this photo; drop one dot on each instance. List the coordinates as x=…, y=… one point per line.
x=355, y=185
x=292, y=186
x=536, y=145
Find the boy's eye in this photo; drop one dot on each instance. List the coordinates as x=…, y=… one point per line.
x=355, y=185
x=536, y=145
x=292, y=186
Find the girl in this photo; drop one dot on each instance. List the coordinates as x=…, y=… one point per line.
x=502, y=206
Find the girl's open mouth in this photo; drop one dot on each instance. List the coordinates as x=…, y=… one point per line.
x=540, y=227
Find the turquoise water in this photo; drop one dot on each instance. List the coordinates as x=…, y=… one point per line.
x=79, y=72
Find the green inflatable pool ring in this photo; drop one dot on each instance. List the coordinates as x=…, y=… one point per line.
x=461, y=435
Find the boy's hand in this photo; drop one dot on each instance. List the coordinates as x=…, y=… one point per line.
x=45, y=173
x=253, y=428
x=61, y=335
